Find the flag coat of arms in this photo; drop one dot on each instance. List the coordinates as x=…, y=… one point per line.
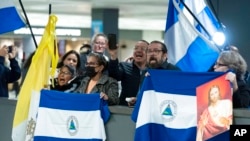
x=10, y=18
x=63, y=116
x=189, y=47
x=166, y=107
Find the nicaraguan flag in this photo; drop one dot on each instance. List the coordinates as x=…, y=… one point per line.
x=166, y=107
x=64, y=116
x=10, y=18
x=189, y=47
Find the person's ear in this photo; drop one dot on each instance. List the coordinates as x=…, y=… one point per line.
x=165, y=56
x=101, y=68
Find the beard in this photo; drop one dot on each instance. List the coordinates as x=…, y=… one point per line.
x=153, y=63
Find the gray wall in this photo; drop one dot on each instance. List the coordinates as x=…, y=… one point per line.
x=120, y=127
x=235, y=15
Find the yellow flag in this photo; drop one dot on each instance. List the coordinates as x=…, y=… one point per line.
x=45, y=58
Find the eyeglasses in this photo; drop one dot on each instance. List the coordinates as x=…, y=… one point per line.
x=64, y=73
x=220, y=64
x=100, y=43
x=153, y=51
x=91, y=64
x=140, y=48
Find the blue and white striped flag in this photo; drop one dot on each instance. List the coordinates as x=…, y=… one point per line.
x=10, y=18
x=190, y=48
x=166, y=108
x=64, y=116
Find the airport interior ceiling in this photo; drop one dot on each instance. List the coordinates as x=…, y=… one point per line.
x=133, y=14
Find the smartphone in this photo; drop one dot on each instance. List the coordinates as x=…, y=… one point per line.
x=112, y=41
x=10, y=49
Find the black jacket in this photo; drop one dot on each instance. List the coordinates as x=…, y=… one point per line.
x=241, y=98
x=68, y=88
x=165, y=66
x=8, y=75
x=129, y=75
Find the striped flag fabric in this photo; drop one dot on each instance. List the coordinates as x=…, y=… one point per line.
x=43, y=66
x=189, y=47
x=166, y=108
x=63, y=116
x=10, y=18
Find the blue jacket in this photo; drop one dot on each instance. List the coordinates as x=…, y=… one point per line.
x=8, y=75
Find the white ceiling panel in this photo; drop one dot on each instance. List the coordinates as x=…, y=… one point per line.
x=133, y=14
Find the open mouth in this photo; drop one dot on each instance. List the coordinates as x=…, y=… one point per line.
x=152, y=60
x=138, y=55
x=61, y=81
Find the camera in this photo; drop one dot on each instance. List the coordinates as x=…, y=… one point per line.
x=10, y=48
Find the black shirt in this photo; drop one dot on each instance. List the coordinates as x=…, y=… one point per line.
x=129, y=75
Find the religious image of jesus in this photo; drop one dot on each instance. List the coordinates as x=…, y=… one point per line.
x=216, y=118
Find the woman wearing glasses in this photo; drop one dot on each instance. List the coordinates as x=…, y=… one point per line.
x=96, y=81
x=99, y=44
x=66, y=81
x=233, y=63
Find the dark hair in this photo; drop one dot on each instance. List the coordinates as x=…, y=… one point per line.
x=85, y=46
x=100, y=59
x=60, y=64
x=144, y=41
x=71, y=69
x=163, y=46
x=27, y=63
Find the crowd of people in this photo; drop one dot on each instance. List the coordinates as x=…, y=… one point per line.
x=96, y=69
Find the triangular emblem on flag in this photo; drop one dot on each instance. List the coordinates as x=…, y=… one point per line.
x=163, y=110
x=168, y=111
x=74, y=117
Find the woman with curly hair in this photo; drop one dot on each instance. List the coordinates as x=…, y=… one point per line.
x=233, y=63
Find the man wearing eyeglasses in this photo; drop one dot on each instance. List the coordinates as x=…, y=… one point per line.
x=129, y=73
x=157, y=56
